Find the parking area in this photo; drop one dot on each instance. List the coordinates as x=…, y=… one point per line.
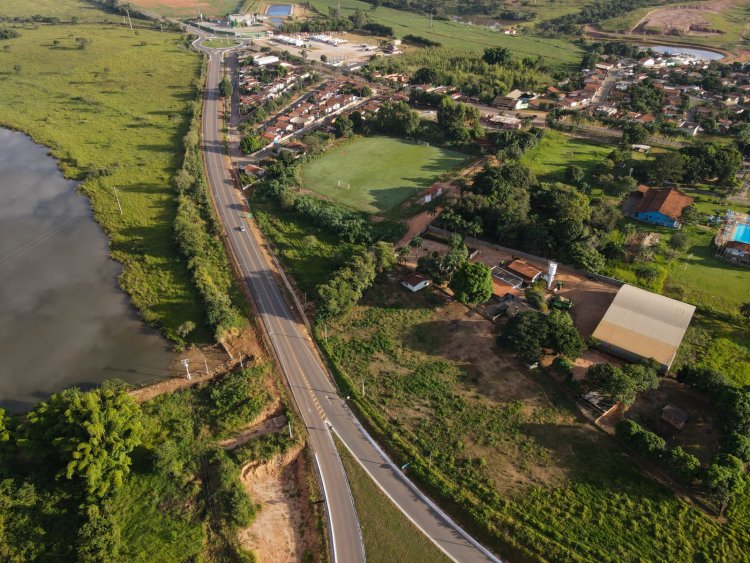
x=352, y=51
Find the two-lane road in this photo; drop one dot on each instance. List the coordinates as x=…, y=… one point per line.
x=313, y=391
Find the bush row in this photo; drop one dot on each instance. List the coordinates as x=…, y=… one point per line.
x=196, y=231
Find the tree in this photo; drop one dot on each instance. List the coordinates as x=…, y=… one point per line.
x=562, y=335
x=87, y=436
x=250, y=143
x=416, y=243
x=724, y=479
x=634, y=134
x=225, y=88
x=667, y=167
x=323, y=59
x=527, y=332
x=678, y=240
x=574, y=174
x=536, y=297
x=359, y=18
x=690, y=215
x=683, y=464
x=745, y=309
x=344, y=127
x=472, y=283
x=496, y=56
x=99, y=537
x=622, y=385
x=82, y=42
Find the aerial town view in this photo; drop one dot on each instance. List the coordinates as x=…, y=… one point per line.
x=340, y=281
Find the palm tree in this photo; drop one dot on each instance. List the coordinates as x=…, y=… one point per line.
x=416, y=243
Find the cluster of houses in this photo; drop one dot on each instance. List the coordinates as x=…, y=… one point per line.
x=255, y=90
x=679, y=77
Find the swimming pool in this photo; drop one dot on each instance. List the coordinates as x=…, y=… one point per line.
x=279, y=10
x=742, y=233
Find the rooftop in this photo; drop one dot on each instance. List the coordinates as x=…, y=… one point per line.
x=667, y=201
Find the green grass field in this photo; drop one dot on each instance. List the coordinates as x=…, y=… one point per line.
x=381, y=171
x=220, y=43
x=387, y=533
x=556, y=52
x=731, y=20
x=556, y=151
x=506, y=447
x=119, y=104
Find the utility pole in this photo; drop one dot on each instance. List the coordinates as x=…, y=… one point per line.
x=289, y=424
x=363, y=387
x=129, y=22
x=185, y=363
x=205, y=361
x=118, y=199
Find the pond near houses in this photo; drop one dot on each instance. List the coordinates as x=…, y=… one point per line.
x=701, y=54
x=63, y=319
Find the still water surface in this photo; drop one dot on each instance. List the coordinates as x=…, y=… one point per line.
x=63, y=319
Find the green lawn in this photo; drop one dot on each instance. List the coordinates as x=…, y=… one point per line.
x=220, y=43
x=389, y=536
x=556, y=52
x=381, y=171
x=556, y=151
x=118, y=105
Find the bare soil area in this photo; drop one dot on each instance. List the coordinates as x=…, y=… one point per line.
x=700, y=436
x=276, y=534
x=681, y=20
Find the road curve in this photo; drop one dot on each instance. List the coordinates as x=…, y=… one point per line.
x=313, y=391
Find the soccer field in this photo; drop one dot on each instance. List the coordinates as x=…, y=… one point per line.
x=374, y=174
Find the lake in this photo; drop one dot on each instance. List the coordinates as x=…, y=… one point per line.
x=279, y=10
x=63, y=319
x=702, y=54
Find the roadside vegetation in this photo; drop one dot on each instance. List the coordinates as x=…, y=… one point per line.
x=387, y=533
x=94, y=476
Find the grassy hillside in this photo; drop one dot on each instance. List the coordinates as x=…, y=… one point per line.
x=114, y=113
x=556, y=52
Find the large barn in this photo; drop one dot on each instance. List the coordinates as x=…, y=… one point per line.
x=640, y=324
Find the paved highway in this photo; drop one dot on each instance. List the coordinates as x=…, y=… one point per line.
x=313, y=391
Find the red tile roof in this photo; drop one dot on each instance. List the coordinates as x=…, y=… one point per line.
x=667, y=201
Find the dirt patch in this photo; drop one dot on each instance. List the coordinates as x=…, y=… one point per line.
x=681, y=20
x=700, y=436
x=276, y=535
x=204, y=363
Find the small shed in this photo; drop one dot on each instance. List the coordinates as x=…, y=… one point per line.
x=674, y=416
x=415, y=282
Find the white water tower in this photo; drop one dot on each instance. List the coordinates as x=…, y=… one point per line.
x=551, y=271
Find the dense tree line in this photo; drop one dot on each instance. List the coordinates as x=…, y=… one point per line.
x=8, y=33
x=196, y=230
x=347, y=285
x=676, y=460
x=421, y=41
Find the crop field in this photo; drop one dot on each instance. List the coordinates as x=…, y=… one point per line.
x=556, y=52
x=374, y=174
x=504, y=447
x=63, y=9
x=114, y=112
x=189, y=8
x=387, y=533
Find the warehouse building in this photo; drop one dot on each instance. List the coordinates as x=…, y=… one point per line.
x=640, y=325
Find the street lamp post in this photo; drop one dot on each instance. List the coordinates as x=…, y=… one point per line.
x=185, y=363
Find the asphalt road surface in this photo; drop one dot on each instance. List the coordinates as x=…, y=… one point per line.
x=314, y=393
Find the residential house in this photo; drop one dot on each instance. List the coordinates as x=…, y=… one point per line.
x=661, y=206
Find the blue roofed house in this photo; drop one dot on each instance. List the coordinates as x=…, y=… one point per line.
x=661, y=206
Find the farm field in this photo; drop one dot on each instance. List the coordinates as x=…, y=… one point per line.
x=556, y=52
x=65, y=10
x=729, y=18
x=381, y=171
x=115, y=122
x=189, y=8
x=387, y=533
x=504, y=447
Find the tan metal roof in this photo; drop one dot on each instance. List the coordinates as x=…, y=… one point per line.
x=645, y=324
